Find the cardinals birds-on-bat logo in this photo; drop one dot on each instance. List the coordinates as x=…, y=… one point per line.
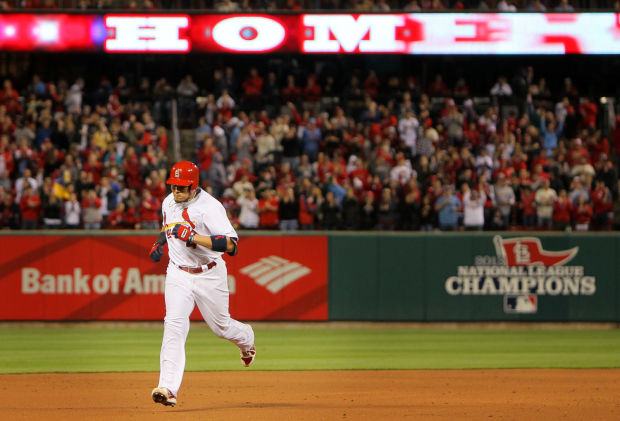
x=185, y=216
x=527, y=251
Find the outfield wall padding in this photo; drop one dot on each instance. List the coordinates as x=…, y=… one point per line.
x=106, y=276
x=559, y=277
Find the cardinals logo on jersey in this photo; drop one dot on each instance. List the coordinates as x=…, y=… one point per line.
x=185, y=216
x=169, y=227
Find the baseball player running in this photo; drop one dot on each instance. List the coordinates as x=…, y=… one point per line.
x=198, y=232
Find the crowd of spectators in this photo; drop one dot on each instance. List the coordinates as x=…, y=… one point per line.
x=296, y=5
x=284, y=153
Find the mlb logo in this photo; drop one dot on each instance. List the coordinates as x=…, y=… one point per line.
x=521, y=304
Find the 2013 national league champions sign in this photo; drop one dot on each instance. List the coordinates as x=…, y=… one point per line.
x=522, y=271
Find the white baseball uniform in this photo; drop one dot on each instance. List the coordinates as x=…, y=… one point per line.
x=207, y=287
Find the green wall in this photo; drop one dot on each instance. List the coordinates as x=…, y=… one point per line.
x=375, y=276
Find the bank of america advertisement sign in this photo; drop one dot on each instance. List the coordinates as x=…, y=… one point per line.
x=337, y=33
x=521, y=271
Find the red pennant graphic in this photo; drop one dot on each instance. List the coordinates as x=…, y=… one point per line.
x=527, y=251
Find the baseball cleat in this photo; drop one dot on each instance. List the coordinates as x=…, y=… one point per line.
x=247, y=357
x=163, y=396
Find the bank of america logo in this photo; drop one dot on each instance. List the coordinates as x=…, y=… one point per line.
x=274, y=273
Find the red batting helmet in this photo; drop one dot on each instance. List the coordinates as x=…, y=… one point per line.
x=184, y=173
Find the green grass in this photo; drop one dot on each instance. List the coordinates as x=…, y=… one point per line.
x=84, y=349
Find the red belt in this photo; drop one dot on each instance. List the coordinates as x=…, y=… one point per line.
x=197, y=269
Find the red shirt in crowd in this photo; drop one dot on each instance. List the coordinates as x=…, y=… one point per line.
x=157, y=189
x=371, y=85
x=589, y=112
x=7, y=127
x=306, y=210
x=519, y=163
x=117, y=219
x=599, y=148
x=291, y=93
x=472, y=134
x=562, y=210
x=147, y=138
x=7, y=156
x=205, y=156
x=132, y=171
x=324, y=167
x=95, y=168
x=149, y=209
x=268, y=209
x=528, y=202
x=601, y=202
x=30, y=207
x=10, y=99
x=163, y=141
x=312, y=90
x=583, y=213
x=361, y=174
x=575, y=154
x=130, y=218
x=253, y=86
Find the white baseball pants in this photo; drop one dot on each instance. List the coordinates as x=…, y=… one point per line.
x=208, y=290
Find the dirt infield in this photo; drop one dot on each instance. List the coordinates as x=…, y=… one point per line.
x=321, y=395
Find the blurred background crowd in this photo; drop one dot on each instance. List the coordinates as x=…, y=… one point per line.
x=297, y=143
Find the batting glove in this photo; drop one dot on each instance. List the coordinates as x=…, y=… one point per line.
x=183, y=233
x=156, y=253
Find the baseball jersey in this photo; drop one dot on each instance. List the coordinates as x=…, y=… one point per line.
x=203, y=214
